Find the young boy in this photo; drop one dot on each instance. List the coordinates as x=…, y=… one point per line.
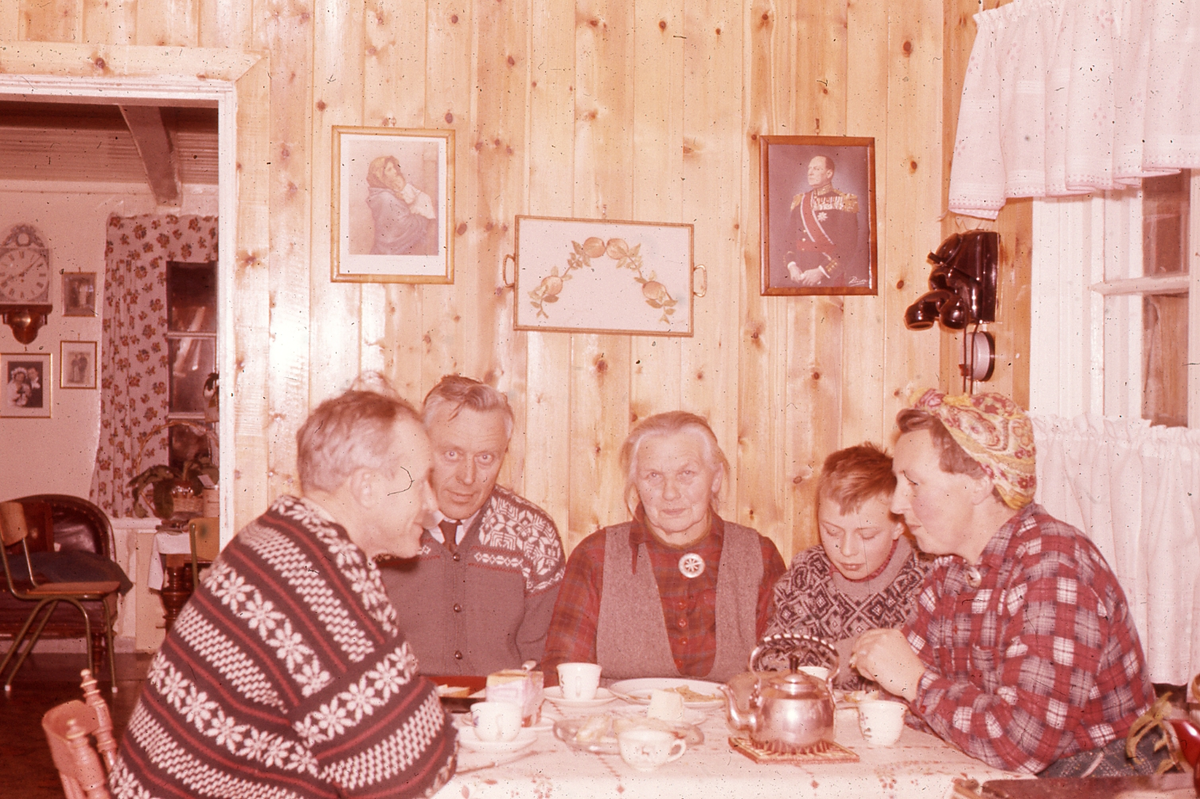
x=864, y=574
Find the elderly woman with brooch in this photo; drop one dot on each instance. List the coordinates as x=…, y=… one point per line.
x=677, y=591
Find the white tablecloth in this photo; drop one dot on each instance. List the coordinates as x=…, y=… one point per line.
x=166, y=543
x=920, y=766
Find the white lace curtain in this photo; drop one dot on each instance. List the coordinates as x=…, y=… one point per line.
x=1067, y=97
x=1135, y=490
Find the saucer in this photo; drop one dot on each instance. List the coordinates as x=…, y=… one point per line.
x=603, y=697
x=469, y=740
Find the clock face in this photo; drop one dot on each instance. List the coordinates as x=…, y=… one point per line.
x=24, y=276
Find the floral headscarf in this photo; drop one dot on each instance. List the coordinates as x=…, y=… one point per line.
x=996, y=433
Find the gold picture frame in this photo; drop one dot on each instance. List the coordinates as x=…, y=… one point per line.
x=77, y=364
x=393, y=205
x=79, y=294
x=818, y=215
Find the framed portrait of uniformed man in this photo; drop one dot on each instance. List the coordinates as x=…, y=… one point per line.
x=818, y=215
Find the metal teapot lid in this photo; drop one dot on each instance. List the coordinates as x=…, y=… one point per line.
x=795, y=683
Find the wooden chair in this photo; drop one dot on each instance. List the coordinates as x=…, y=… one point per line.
x=70, y=730
x=45, y=597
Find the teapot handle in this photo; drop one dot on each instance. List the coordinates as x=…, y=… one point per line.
x=776, y=653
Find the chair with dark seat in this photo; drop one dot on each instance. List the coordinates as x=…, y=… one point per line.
x=60, y=577
x=82, y=744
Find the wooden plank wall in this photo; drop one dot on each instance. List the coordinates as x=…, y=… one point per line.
x=621, y=109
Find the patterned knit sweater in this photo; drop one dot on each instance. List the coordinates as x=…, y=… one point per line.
x=286, y=677
x=487, y=606
x=814, y=598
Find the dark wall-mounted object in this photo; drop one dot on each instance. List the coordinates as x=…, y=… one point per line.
x=962, y=284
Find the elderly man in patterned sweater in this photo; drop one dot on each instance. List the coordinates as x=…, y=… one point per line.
x=479, y=595
x=1022, y=651
x=286, y=675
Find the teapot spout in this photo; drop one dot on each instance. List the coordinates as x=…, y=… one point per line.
x=740, y=695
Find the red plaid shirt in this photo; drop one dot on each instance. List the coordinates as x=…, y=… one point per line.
x=1040, y=660
x=689, y=605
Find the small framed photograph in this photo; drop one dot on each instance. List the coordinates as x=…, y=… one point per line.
x=393, y=205
x=818, y=215
x=27, y=379
x=602, y=276
x=79, y=293
x=77, y=364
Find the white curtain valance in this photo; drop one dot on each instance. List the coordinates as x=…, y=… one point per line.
x=1134, y=490
x=1065, y=97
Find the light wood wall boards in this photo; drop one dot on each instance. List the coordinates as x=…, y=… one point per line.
x=623, y=109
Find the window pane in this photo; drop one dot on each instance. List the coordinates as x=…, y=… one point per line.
x=192, y=359
x=192, y=297
x=1164, y=224
x=1165, y=349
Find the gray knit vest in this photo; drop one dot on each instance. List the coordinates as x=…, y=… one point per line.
x=631, y=632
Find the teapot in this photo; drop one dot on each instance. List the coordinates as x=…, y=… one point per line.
x=785, y=710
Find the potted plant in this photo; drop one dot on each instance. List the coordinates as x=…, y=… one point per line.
x=175, y=494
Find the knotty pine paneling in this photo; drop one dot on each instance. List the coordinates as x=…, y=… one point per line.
x=619, y=109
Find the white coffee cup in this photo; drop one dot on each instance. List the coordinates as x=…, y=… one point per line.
x=578, y=681
x=820, y=672
x=646, y=749
x=496, y=721
x=881, y=721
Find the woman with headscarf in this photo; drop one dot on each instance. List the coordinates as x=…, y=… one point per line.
x=1022, y=651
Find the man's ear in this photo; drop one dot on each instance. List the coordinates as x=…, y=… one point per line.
x=364, y=486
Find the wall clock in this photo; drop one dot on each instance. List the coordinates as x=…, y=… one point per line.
x=24, y=282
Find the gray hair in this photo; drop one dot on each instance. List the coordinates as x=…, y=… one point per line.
x=662, y=424
x=352, y=431
x=457, y=392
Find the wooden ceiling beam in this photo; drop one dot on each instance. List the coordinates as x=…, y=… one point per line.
x=154, y=146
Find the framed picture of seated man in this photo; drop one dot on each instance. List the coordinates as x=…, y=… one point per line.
x=818, y=215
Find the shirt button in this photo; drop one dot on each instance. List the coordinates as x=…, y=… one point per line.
x=682, y=623
x=458, y=655
x=457, y=608
x=681, y=604
x=683, y=642
x=457, y=557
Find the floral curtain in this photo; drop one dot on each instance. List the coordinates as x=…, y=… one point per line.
x=1067, y=97
x=134, y=373
x=1133, y=489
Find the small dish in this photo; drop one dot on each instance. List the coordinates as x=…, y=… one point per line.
x=469, y=740
x=638, y=691
x=603, y=697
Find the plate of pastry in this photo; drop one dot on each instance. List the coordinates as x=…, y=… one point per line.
x=700, y=694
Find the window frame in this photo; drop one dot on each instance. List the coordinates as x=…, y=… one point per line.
x=1086, y=305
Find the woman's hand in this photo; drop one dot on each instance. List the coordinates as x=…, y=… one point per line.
x=883, y=655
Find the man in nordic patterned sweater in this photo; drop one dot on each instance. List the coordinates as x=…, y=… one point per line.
x=479, y=595
x=286, y=675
